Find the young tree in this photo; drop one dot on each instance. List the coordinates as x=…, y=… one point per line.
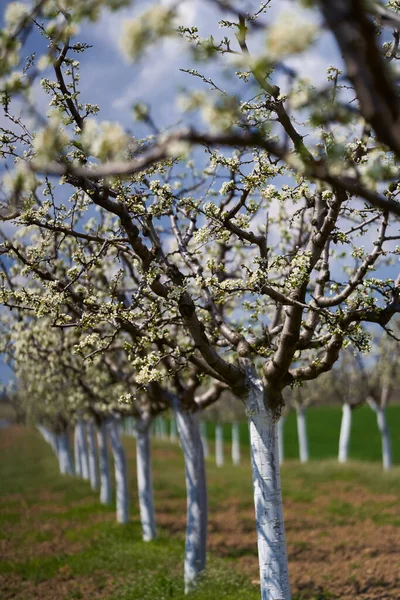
x=300, y=400
x=346, y=385
x=377, y=385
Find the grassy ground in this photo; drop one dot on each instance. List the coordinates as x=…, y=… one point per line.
x=58, y=543
x=323, y=424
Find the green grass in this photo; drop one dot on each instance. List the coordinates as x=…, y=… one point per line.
x=56, y=530
x=105, y=550
x=323, y=425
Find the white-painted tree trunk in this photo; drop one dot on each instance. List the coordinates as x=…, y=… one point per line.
x=219, y=447
x=163, y=429
x=172, y=430
x=130, y=426
x=144, y=480
x=77, y=453
x=345, y=430
x=121, y=483
x=274, y=575
x=204, y=440
x=82, y=448
x=235, y=444
x=64, y=454
x=50, y=437
x=385, y=434
x=104, y=465
x=196, y=490
x=92, y=451
x=280, y=434
x=302, y=434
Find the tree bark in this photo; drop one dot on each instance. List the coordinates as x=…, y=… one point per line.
x=274, y=574
x=196, y=489
x=172, y=430
x=50, y=437
x=163, y=429
x=280, y=434
x=77, y=453
x=92, y=451
x=81, y=445
x=235, y=444
x=302, y=434
x=345, y=430
x=144, y=480
x=64, y=454
x=104, y=465
x=121, y=483
x=385, y=434
x=131, y=427
x=204, y=440
x=219, y=448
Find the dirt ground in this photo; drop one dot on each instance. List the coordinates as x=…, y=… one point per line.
x=352, y=557
x=344, y=543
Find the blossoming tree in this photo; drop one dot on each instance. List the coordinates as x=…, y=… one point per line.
x=256, y=264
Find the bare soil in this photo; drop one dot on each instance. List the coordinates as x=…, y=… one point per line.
x=359, y=559
x=343, y=544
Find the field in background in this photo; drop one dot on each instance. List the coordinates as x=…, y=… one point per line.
x=323, y=424
x=58, y=543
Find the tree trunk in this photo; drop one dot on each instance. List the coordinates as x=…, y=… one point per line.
x=50, y=437
x=280, y=434
x=92, y=450
x=104, y=465
x=77, y=453
x=121, y=483
x=163, y=429
x=219, y=448
x=345, y=429
x=385, y=434
x=144, y=480
x=274, y=575
x=172, y=430
x=235, y=444
x=82, y=449
x=64, y=454
x=196, y=490
x=204, y=440
x=131, y=427
x=302, y=434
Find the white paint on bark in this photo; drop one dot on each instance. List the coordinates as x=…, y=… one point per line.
x=274, y=574
x=345, y=430
x=77, y=454
x=82, y=449
x=163, y=429
x=280, y=434
x=302, y=434
x=50, y=437
x=144, y=479
x=385, y=434
x=64, y=454
x=104, y=465
x=196, y=490
x=172, y=430
x=121, y=483
x=219, y=447
x=92, y=451
x=204, y=440
x=235, y=443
